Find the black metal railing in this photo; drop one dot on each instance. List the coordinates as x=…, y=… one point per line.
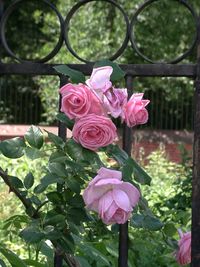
x=153, y=69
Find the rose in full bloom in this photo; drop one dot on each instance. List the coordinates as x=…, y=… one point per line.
x=93, y=131
x=114, y=101
x=99, y=81
x=112, y=198
x=134, y=112
x=183, y=254
x=78, y=100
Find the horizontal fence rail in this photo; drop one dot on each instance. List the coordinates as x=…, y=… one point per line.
x=137, y=70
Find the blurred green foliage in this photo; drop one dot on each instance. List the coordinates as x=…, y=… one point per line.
x=168, y=197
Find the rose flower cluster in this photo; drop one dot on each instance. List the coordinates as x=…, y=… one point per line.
x=92, y=105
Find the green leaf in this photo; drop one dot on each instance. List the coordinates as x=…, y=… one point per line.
x=35, y=200
x=46, y=250
x=127, y=171
x=79, y=153
x=74, y=75
x=83, y=262
x=58, y=156
x=131, y=167
x=140, y=175
x=34, y=263
x=33, y=153
x=12, y=148
x=117, y=153
x=16, y=182
x=57, y=140
x=55, y=219
x=92, y=253
x=29, y=180
x=73, y=185
x=39, y=188
x=117, y=73
x=58, y=169
x=13, y=259
x=54, y=234
x=170, y=229
x=54, y=197
x=51, y=179
x=82, y=215
x=32, y=235
x=147, y=222
x=67, y=243
x=76, y=201
x=65, y=120
x=34, y=137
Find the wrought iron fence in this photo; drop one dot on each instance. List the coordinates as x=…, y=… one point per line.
x=153, y=69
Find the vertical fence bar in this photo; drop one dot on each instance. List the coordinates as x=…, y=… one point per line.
x=196, y=167
x=61, y=126
x=58, y=259
x=127, y=145
x=1, y=13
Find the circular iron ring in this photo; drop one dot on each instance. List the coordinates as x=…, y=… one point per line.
x=4, y=20
x=67, y=23
x=133, y=39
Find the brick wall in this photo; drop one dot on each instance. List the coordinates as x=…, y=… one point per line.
x=144, y=141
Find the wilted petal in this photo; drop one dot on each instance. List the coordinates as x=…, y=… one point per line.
x=100, y=78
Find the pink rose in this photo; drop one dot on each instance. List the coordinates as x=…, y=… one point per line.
x=114, y=100
x=183, y=254
x=99, y=81
x=93, y=131
x=134, y=112
x=112, y=198
x=78, y=101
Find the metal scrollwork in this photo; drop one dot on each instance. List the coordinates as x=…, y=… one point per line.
x=4, y=20
x=65, y=28
x=133, y=39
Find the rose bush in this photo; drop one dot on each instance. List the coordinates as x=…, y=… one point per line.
x=78, y=177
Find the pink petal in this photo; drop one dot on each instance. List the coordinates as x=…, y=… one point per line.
x=108, y=173
x=145, y=102
x=108, y=182
x=137, y=96
x=92, y=195
x=107, y=218
x=105, y=203
x=131, y=191
x=100, y=78
x=121, y=199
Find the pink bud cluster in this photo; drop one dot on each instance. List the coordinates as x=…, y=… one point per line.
x=91, y=106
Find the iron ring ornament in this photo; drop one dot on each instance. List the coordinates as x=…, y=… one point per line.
x=65, y=28
x=4, y=20
x=71, y=13
x=133, y=39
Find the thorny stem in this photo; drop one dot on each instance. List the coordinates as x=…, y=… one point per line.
x=69, y=259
